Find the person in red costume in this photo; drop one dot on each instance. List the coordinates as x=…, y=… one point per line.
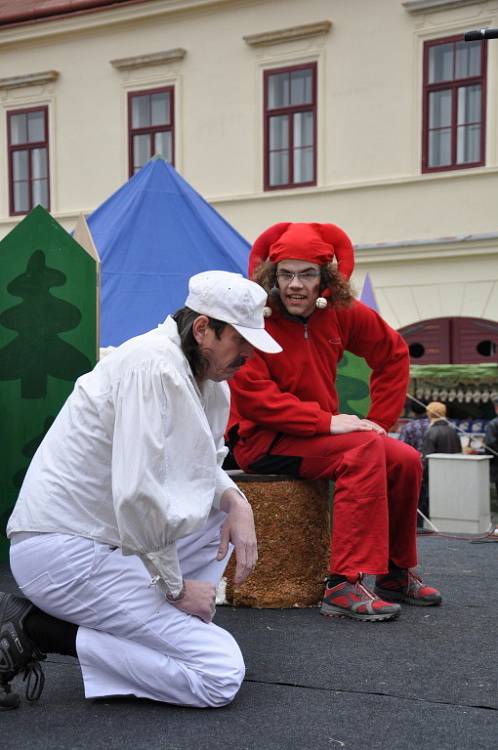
x=284, y=417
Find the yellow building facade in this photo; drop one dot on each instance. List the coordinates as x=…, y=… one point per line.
x=372, y=115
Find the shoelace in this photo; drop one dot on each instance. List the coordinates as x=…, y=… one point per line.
x=34, y=676
x=359, y=585
x=360, y=588
x=413, y=581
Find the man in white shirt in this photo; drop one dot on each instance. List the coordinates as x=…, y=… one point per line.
x=125, y=517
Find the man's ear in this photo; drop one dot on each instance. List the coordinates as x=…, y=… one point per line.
x=200, y=327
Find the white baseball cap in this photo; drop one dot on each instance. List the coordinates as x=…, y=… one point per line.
x=235, y=300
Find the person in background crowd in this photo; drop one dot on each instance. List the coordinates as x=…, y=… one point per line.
x=440, y=437
x=491, y=441
x=412, y=433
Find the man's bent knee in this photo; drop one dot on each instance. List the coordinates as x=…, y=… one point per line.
x=219, y=691
x=221, y=682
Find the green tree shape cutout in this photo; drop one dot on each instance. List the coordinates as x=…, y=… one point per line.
x=351, y=388
x=38, y=352
x=28, y=450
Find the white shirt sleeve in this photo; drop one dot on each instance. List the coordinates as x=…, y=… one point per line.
x=162, y=468
x=217, y=410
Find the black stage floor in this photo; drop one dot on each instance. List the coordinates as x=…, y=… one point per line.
x=428, y=681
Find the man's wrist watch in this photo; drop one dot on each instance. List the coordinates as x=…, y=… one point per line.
x=172, y=598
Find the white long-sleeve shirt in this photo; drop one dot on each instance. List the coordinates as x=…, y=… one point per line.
x=134, y=457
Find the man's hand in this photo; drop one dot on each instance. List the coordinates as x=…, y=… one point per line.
x=239, y=530
x=341, y=424
x=374, y=426
x=199, y=600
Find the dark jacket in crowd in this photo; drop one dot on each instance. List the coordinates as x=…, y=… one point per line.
x=441, y=437
x=491, y=439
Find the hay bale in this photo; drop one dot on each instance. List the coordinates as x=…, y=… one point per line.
x=293, y=527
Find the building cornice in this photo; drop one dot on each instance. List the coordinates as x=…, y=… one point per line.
x=491, y=237
x=430, y=6
x=29, y=79
x=387, y=182
x=109, y=16
x=290, y=34
x=154, y=58
x=461, y=246
x=464, y=246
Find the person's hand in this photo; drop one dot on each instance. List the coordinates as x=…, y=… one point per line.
x=344, y=423
x=239, y=530
x=199, y=600
x=380, y=430
x=341, y=424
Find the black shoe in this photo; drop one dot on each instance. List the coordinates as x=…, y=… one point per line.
x=18, y=653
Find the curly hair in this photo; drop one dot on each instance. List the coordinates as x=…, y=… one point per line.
x=341, y=292
x=184, y=319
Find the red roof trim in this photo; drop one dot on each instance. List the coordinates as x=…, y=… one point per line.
x=13, y=12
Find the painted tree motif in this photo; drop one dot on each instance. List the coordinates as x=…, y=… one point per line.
x=28, y=452
x=352, y=385
x=38, y=351
x=48, y=332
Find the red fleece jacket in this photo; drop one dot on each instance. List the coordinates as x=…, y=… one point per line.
x=294, y=392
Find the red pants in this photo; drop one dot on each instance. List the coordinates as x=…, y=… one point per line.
x=377, y=483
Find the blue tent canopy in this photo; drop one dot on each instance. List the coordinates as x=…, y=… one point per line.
x=152, y=235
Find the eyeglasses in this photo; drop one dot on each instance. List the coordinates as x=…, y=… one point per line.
x=306, y=277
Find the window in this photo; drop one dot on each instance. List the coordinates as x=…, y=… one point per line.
x=454, y=104
x=28, y=159
x=290, y=127
x=151, y=126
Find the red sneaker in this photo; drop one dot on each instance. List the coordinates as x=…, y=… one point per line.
x=356, y=601
x=406, y=586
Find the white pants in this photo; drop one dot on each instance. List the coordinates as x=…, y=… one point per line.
x=131, y=641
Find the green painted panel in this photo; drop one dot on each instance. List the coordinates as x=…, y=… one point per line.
x=48, y=337
x=353, y=376
x=456, y=373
